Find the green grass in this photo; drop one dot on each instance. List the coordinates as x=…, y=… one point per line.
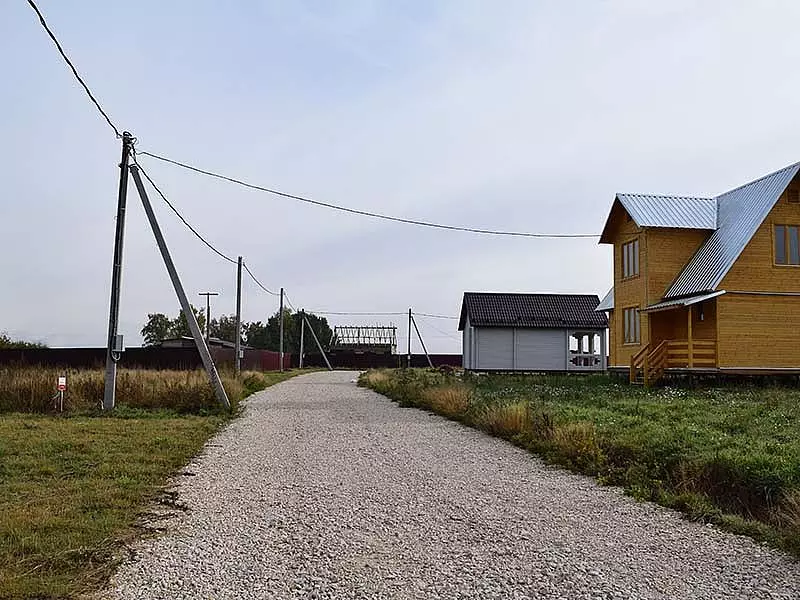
x=729, y=456
x=73, y=489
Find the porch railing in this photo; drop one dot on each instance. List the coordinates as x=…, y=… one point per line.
x=648, y=365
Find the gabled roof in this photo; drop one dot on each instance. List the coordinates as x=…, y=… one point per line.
x=487, y=309
x=607, y=303
x=682, y=212
x=740, y=213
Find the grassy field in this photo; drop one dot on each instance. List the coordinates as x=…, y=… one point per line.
x=73, y=488
x=729, y=456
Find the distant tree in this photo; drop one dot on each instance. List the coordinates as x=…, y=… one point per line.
x=157, y=328
x=8, y=342
x=224, y=328
x=160, y=327
x=256, y=335
x=180, y=325
x=267, y=336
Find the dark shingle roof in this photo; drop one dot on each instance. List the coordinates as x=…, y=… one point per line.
x=487, y=309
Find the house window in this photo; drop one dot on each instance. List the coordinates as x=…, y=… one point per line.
x=633, y=333
x=787, y=245
x=793, y=196
x=630, y=259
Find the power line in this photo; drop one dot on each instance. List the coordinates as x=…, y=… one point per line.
x=258, y=283
x=358, y=314
x=72, y=67
x=436, y=316
x=432, y=326
x=364, y=213
x=185, y=222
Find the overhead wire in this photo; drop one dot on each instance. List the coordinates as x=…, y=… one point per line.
x=435, y=328
x=364, y=213
x=77, y=75
x=257, y=282
x=436, y=316
x=181, y=217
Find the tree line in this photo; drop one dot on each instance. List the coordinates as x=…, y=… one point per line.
x=255, y=334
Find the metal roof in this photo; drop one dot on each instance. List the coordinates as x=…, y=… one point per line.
x=740, y=213
x=667, y=304
x=683, y=212
x=607, y=303
x=552, y=311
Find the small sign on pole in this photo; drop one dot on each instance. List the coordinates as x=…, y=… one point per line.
x=62, y=387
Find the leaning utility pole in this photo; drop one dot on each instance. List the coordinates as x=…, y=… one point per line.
x=238, y=342
x=422, y=342
x=114, y=345
x=208, y=312
x=191, y=319
x=319, y=346
x=409, y=339
x=280, y=325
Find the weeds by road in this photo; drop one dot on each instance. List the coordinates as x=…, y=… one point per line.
x=72, y=488
x=728, y=456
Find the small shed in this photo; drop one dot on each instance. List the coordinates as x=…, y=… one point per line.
x=533, y=332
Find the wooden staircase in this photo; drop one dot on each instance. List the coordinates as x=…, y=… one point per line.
x=649, y=364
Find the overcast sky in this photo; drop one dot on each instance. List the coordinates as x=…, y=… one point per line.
x=523, y=115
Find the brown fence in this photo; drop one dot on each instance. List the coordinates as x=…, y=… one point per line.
x=141, y=358
x=365, y=360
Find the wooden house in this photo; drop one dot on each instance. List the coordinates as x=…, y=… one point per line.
x=706, y=284
x=532, y=332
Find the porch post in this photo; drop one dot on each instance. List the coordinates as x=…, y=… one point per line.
x=689, y=347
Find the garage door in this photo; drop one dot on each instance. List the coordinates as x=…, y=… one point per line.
x=541, y=350
x=495, y=348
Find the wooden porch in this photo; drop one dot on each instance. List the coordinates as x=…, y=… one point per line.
x=650, y=363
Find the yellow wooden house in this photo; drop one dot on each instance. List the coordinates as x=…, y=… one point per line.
x=706, y=285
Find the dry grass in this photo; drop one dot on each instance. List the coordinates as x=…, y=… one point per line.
x=31, y=389
x=451, y=401
x=788, y=512
x=376, y=378
x=577, y=444
x=505, y=420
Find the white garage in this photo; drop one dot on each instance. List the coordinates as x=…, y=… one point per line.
x=533, y=332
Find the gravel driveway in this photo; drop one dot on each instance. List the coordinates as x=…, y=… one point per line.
x=325, y=490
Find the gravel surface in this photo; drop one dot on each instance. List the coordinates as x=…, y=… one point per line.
x=325, y=490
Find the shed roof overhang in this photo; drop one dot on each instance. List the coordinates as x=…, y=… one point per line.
x=679, y=302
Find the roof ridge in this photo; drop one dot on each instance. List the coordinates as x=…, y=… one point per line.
x=744, y=185
x=678, y=197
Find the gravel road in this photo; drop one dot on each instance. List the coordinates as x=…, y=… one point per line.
x=325, y=490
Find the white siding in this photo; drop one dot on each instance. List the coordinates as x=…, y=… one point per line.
x=495, y=349
x=466, y=344
x=541, y=350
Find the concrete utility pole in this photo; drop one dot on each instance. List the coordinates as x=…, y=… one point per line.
x=208, y=311
x=114, y=345
x=202, y=348
x=422, y=343
x=321, y=351
x=280, y=325
x=409, y=339
x=302, y=335
x=238, y=341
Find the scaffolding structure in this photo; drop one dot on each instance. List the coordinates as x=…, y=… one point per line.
x=358, y=338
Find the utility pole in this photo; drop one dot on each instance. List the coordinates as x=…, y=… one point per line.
x=321, y=351
x=200, y=343
x=422, y=342
x=280, y=325
x=302, y=334
x=114, y=346
x=409, y=339
x=238, y=342
x=208, y=312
